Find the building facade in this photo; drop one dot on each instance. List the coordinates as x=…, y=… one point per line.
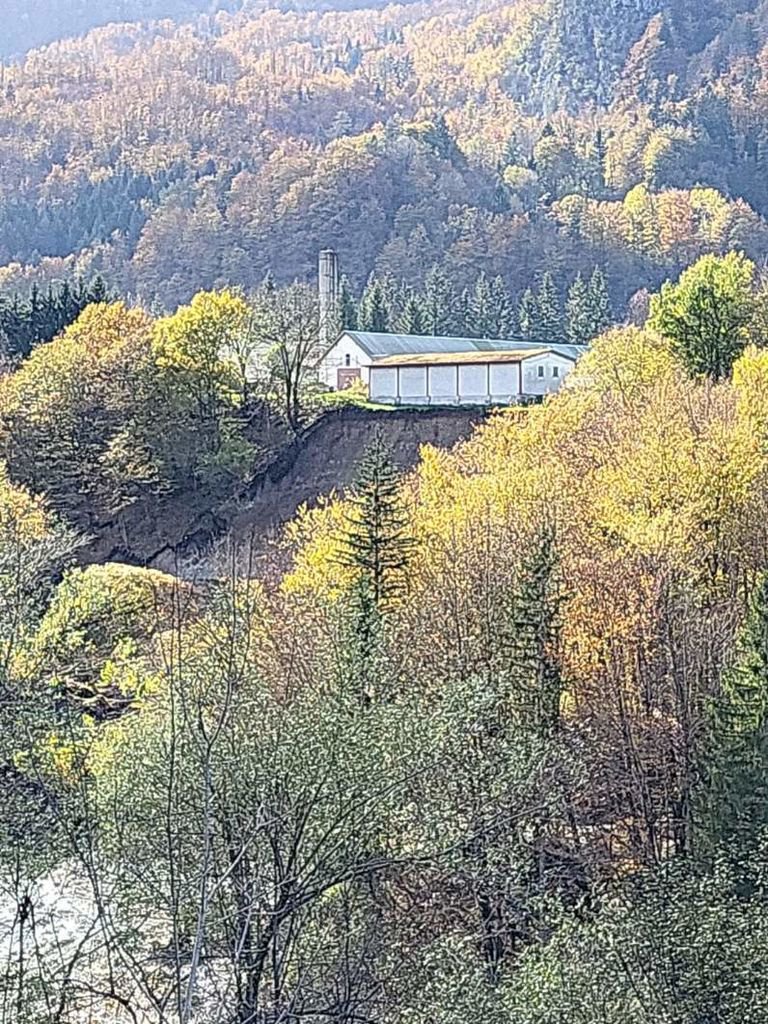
x=406, y=369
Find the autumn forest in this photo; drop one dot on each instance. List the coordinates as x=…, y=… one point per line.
x=481, y=738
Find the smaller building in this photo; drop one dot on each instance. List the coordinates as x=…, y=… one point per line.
x=413, y=370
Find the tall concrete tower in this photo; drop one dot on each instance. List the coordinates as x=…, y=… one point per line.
x=329, y=282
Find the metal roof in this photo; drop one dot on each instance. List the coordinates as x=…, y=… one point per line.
x=460, y=358
x=381, y=345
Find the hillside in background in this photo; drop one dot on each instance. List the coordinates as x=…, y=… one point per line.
x=32, y=23
x=504, y=137
x=318, y=710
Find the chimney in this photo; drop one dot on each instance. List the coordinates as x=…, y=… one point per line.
x=329, y=297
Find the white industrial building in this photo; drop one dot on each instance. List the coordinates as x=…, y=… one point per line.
x=416, y=370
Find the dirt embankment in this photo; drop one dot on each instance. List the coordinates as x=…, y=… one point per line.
x=322, y=460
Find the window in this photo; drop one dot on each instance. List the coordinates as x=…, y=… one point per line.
x=541, y=371
x=347, y=359
x=555, y=371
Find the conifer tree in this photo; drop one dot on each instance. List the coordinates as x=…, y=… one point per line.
x=362, y=650
x=549, y=326
x=348, y=312
x=535, y=620
x=374, y=312
x=30, y=321
x=490, y=309
x=98, y=291
x=578, y=313
x=480, y=308
x=375, y=540
x=463, y=323
x=439, y=303
x=600, y=311
x=502, y=315
x=411, y=320
x=735, y=756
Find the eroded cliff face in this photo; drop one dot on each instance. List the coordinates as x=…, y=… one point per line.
x=324, y=460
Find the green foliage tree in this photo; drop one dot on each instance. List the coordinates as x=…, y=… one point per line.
x=534, y=650
x=286, y=325
x=550, y=328
x=734, y=792
x=203, y=378
x=348, y=308
x=76, y=406
x=439, y=303
x=376, y=538
x=577, y=312
x=412, y=319
x=685, y=945
x=600, y=311
x=707, y=312
x=490, y=309
x=375, y=312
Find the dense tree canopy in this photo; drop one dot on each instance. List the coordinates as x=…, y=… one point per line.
x=486, y=739
x=475, y=137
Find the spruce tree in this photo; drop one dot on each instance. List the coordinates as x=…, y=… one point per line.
x=348, y=312
x=439, y=303
x=537, y=682
x=362, y=650
x=375, y=539
x=412, y=319
x=490, y=309
x=734, y=763
x=480, y=308
x=374, y=312
x=463, y=324
x=98, y=290
x=501, y=317
x=578, y=313
x=550, y=328
x=600, y=312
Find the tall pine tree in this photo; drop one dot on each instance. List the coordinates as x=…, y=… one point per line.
x=734, y=763
x=375, y=539
x=439, y=303
x=578, y=313
x=411, y=320
x=374, y=314
x=600, y=311
x=348, y=313
x=550, y=328
x=538, y=684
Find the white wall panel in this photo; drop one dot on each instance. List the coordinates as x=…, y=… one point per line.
x=473, y=382
x=413, y=383
x=443, y=383
x=505, y=379
x=383, y=383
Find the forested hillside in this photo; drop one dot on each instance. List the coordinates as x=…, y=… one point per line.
x=31, y=23
x=485, y=742
x=503, y=137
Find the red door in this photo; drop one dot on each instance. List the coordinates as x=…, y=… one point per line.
x=347, y=377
